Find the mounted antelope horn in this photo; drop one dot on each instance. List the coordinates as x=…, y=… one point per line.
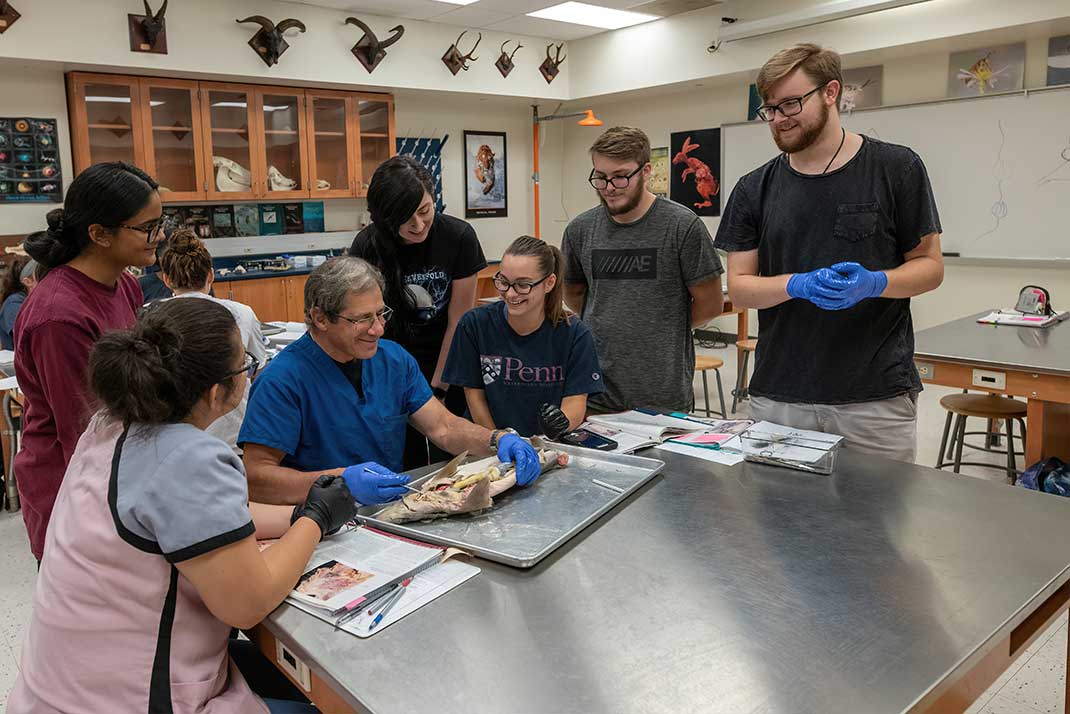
x=395, y=34
x=265, y=23
x=471, y=52
x=456, y=61
x=289, y=24
x=153, y=23
x=504, y=62
x=369, y=50
x=551, y=66
x=268, y=42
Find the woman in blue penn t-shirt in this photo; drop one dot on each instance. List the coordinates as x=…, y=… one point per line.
x=514, y=355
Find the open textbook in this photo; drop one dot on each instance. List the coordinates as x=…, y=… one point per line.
x=635, y=430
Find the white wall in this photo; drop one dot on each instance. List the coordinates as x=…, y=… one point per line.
x=204, y=40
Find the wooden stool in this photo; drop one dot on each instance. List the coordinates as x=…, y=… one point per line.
x=982, y=406
x=740, y=392
x=704, y=364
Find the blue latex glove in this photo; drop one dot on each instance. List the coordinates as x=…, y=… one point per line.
x=371, y=483
x=854, y=284
x=818, y=287
x=512, y=448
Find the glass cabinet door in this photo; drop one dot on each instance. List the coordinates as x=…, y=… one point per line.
x=228, y=142
x=173, y=138
x=376, y=122
x=282, y=121
x=107, y=117
x=332, y=144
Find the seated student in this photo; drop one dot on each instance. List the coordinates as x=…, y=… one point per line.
x=186, y=269
x=515, y=355
x=152, y=557
x=337, y=401
x=19, y=281
x=152, y=285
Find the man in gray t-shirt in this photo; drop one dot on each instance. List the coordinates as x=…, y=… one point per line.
x=641, y=271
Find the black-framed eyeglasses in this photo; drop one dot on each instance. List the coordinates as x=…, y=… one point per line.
x=788, y=107
x=249, y=368
x=522, y=287
x=151, y=229
x=369, y=320
x=600, y=182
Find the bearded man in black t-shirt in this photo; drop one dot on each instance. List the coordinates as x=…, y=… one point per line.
x=829, y=241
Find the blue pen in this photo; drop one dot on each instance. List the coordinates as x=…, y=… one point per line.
x=389, y=604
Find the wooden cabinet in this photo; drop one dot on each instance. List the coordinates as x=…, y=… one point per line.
x=211, y=141
x=272, y=299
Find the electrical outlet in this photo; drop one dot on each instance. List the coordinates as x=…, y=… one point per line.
x=989, y=380
x=926, y=370
x=291, y=664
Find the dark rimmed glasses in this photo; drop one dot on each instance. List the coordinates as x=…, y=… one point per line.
x=152, y=229
x=368, y=320
x=788, y=107
x=522, y=287
x=248, y=368
x=601, y=182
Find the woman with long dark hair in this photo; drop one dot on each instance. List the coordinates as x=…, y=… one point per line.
x=152, y=555
x=429, y=263
x=110, y=220
x=538, y=354
x=19, y=280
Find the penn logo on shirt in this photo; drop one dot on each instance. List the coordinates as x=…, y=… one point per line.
x=492, y=368
x=625, y=264
x=513, y=371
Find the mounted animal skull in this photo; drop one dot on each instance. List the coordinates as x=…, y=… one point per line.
x=505, y=61
x=8, y=16
x=369, y=50
x=268, y=42
x=153, y=24
x=456, y=61
x=551, y=66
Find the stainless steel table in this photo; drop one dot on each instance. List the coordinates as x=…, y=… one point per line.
x=1020, y=361
x=884, y=588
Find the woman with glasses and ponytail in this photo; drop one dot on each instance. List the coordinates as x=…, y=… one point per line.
x=515, y=355
x=110, y=220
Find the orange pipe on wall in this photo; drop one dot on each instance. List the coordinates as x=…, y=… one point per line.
x=535, y=143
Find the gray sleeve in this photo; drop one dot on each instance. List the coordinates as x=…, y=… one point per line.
x=699, y=261
x=571, y=249
x=197, y=502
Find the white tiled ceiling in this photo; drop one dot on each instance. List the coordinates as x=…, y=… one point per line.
x=501, y=15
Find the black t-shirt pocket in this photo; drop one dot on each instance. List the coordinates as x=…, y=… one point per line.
x=856, y=221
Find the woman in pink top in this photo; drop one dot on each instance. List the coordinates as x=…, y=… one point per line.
x=152, y=556
x=110, y=220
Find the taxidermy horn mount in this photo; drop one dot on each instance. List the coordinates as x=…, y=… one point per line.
x=269, y=42
x=551, y=66
x=457, y=61
x=505, y=59
x=370, y=50
x=148, y=32
x=8, y=16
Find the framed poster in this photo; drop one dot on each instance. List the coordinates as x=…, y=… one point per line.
x=862, y=88
x=485, y=190
x=695, y=172
x=659, y=172
x=29, y=161
x=986, y=69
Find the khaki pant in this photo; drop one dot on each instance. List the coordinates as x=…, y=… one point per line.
x=888, y=427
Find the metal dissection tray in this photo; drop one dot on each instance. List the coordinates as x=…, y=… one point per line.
x=527, y=524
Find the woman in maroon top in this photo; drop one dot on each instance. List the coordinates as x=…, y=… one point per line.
x=110, y=220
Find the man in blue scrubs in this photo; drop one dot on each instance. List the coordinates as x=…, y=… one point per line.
x=337, y=401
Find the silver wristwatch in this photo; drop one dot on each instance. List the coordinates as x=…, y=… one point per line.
x=496, y=435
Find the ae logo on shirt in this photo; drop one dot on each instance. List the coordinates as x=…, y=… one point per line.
x=625, y=264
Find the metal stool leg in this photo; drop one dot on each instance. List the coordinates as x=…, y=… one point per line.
x=720, y=393
x=706, y=394
x=737, y=392
x=1012, y=470
x=940, y=462
x=960, y=438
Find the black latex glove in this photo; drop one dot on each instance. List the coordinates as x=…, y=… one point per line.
x=329, y=504
x=552, y=421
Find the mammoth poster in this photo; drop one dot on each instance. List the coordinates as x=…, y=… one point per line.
x=695, y=170
x=485, y=191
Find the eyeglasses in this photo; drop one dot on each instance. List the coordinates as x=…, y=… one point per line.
x=522, y=287
x=369, y=320
x=788, y=107
x=249, y=367
x=150, y=229
x=600, y=182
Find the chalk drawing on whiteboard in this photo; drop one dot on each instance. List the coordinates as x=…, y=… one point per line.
x=1060, y=172
x=999, y=209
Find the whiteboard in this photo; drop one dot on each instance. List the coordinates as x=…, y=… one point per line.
x=999, y=166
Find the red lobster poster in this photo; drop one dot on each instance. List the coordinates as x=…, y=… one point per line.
x=695, y=170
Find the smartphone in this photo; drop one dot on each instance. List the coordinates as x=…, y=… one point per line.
x=588, y=440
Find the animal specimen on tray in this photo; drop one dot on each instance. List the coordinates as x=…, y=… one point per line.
x=454, y=60
x=268, y=42
x=705, y=182
x=484, y=169
x=505, y=59
x=464, y=488
x=148, y=32
x=370, y=50
x=8, y=16
x=551, y=66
